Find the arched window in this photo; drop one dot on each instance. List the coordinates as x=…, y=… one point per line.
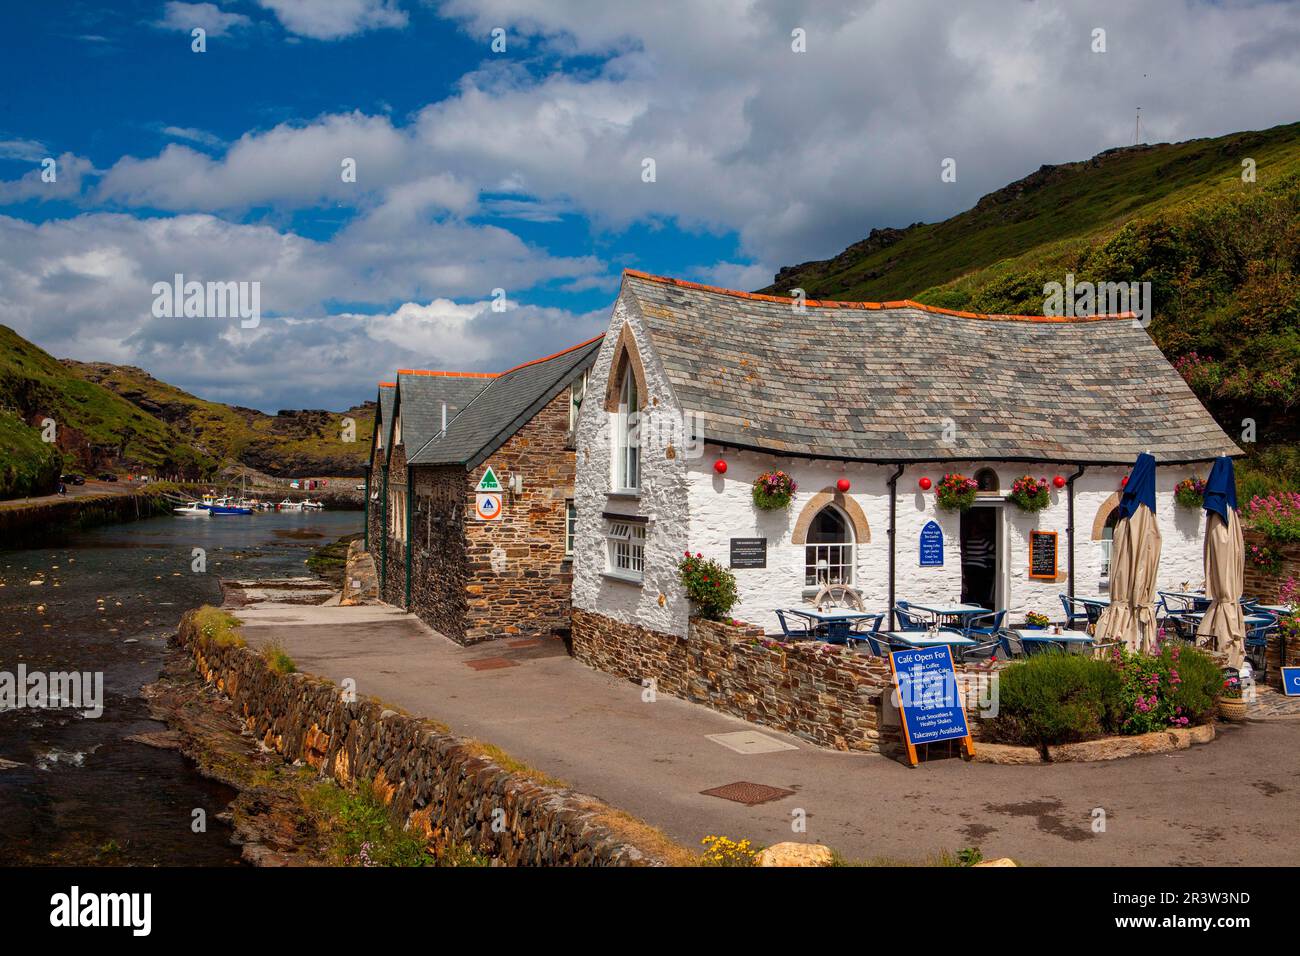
x=628, y=464
x=828, y=554
x=987, y=479
x=1108, y=539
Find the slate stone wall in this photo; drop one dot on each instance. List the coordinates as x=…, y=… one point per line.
x=811, y=690
x=429, y=778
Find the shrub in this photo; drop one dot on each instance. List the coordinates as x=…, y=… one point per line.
x=723, y=851
x=1277, y=516
x=1056, y=699
x=955, y=492
x=773, y=490
x=1030, y=493
x=711, y=586
x=217, y=627
x=277, y=658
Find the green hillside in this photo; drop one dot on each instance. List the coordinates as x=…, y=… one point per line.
x=117, y=418
x=1222, y=257
x=94, y=428
x=308, y=442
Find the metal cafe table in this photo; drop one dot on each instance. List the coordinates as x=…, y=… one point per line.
x=961, y=612
x=926, y=639
x=837, y=622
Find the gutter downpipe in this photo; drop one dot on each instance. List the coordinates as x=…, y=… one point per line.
x=1069, y=484
x=893, y=536
x=410, y=523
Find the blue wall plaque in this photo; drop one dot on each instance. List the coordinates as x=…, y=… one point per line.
x=932, y=545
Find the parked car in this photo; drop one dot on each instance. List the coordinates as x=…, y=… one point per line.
x=73, y=479
x=108, y=476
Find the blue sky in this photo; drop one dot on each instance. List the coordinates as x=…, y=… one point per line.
x=522, y=169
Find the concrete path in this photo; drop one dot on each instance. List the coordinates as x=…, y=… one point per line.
x=1235, y=801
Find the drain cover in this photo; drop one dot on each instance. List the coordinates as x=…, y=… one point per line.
x=750, y=794
x=489, y=663
x=528, y=642
x=750, y=742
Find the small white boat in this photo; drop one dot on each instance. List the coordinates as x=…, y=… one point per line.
x=288, y=505
x=310, y=505
x=194, y=509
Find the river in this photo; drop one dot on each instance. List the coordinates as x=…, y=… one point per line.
x=109, y=599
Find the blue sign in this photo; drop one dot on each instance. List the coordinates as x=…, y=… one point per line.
x=1291, y=681
x=932, y=545
x=928, y=697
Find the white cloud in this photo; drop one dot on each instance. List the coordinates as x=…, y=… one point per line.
x=335, y=19
x=194, y=135
x=71, y=174
x=186, y=16
x=24, y=150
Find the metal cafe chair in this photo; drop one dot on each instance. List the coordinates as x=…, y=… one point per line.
x=908, y=620
x=990, y=630
x=1073, y=617
x=793, y=633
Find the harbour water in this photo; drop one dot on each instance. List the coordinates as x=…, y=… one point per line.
x=73, y=788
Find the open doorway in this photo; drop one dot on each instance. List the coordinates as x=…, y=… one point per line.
x=980, y=560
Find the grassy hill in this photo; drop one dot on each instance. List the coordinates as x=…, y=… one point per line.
x=307, y=442
x=122, y=419
x=1222, y=256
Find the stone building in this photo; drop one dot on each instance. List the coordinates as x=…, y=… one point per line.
x=377, y=467
x=697, y=391
x=478, y=555
x=421, y=401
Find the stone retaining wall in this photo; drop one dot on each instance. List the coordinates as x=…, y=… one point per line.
x=812, y=690
x=431, y=779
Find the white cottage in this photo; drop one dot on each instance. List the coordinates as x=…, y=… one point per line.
x=698, y=390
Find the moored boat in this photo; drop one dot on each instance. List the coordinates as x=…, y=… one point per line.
x=194, y=508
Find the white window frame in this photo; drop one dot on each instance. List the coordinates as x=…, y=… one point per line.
x=625, y=550
x=397, y=431
x=627, y=438
x=570, y=527
x=397, y=515
x=845, y=551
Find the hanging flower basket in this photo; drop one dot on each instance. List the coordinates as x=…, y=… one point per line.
x=956, y=492
x=1030, y=493
x=1190, y=493
x=774, y=490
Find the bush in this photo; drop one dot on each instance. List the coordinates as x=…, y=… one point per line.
x=217, y=627
x=711, y=586
x=277, y=658
x=1056, y=699
x=1277, y=517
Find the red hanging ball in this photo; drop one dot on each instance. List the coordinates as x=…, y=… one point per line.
x=1059, y=481
x=925, y=484
x=1124, y=482
x=843, y=484
x=720, y=466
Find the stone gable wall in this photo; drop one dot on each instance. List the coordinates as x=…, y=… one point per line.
x=393, y=577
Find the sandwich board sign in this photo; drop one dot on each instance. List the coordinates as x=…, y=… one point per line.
x=929, y=700
x=489, y=481
x=487, y=506
x=1291, y=681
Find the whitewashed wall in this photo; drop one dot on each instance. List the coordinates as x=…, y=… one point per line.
x=659, y=603
x=721, y=508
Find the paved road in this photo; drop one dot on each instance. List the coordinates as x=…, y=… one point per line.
x=1231, y=802
x=79, y=491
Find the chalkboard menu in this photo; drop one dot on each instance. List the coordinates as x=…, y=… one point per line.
x=749, y=552
x=1042, y=555
x=931, y=545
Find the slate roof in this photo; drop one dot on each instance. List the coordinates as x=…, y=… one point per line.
x=875, y=381
x=509, y=401
x=387, y=391
x=421, y=395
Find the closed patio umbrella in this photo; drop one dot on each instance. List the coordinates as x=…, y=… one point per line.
x=1135, y=559
x=1224, y=624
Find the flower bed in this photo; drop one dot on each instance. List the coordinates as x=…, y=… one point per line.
x=1052, y=699
x=1030, y=493
x=1277, y=517
x=773, y=490
x=955, y=492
